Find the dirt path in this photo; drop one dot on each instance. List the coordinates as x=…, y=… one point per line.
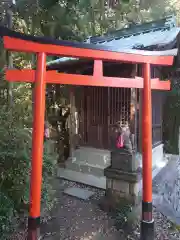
x=73, y=219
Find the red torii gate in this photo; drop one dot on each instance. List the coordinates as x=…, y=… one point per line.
x=14, y=41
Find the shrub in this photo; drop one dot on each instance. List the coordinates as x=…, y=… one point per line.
x=7, y=212
x=15, y=162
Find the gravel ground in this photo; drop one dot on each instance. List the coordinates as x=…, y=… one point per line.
x=73, y=219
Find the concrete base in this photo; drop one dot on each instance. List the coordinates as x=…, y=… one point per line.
x=159, y=161
x=157, y=157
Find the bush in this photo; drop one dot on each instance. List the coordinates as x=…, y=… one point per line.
x=15, y=162
x=7, y=212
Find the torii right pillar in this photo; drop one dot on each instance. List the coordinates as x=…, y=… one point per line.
x=147, y=224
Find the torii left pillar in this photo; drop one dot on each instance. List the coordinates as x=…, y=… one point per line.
x=37, y=148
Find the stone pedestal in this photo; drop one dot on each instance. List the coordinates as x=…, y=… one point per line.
x=124, y=160
x=122, y=178
x=122, y=196
x=122, y=187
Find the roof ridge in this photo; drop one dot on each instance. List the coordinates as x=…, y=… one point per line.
x=161, y=24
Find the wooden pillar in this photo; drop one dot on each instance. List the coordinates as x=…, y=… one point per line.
x=72, y=122
x=37, y=147
x=133, y=113
x=147, y=226
x=9, y=15
x=140, y=121
x=133, y=127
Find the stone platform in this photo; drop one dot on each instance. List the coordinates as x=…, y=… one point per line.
x=87, y=166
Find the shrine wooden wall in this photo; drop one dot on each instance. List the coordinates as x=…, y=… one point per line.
x=99, y=109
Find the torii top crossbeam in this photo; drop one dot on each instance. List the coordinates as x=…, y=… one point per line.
x=14, y=41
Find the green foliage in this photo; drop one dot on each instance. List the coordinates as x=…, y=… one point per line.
x=7, y=212
x=171, y=119
x=15, y=162
x=75, y=19
x=46, y=4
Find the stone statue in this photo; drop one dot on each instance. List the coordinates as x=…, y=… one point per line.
x=122, y=147
x=122, y=139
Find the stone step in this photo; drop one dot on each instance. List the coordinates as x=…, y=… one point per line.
x=88, y=179
x=97, y=150
x=84, y=167
x=92, y=156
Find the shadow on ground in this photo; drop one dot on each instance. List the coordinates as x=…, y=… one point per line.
x=73, y=218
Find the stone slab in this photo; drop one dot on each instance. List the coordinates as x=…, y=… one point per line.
x=79, y=193
x=166, y=209
x=166, y=189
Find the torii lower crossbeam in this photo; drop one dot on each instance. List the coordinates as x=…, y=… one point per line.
x=19, y=42
x=85, y=80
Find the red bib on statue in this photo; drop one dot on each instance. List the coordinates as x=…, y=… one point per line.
x=120, y=142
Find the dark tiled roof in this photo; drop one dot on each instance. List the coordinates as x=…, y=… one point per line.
x=157, y=33
x=135, y=30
